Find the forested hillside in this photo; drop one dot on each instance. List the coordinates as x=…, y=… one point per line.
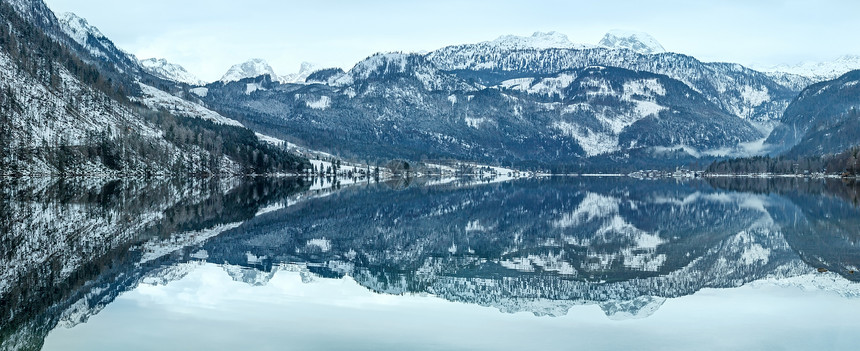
x=62, y=115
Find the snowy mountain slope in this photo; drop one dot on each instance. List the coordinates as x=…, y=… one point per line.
x=97, y=44
x=90, y=45
x=741, y=91
x=606, y=114
x=819, y=71
x=537, y=41
x=640, y=42
x=792, y=81
x=399, y=67
x=160, y=100
x=79, y=30
x=249, y=69
x=38, y=13
x=511, y=99
x=78, y=36
x=169, y=71
x=34, y=116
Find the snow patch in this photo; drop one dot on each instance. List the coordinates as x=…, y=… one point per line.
x=475, y=122
x=593, y=206
x=201, y=92
x=269, y=139
x=754, y=97
x=322, y=103
x=521, y=84
x=323, y=244
x=593, y=143
x=160, y=100
x=476, y=226
x=252, y=87
x=755, y=253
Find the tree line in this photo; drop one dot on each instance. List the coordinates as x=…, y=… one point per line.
x=845, y=163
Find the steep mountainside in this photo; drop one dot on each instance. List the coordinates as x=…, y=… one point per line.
x=824, y=119
x=97, y=44
x=89, y=45
x=401, y=105
x=63, y=115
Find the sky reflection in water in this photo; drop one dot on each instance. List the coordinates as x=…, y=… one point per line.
x=538, y=263
x=209, y=310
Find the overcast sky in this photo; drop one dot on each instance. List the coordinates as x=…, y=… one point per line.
x=208, y=36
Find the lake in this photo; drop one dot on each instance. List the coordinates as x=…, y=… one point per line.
x=429, y=264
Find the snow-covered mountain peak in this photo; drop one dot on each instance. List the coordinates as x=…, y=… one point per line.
x=78, y=28
x=166, y=70
x=305, y=70
x=640, y=42
x=94, y=42
x=394, y=62
x=307, y=67
x=538, y=40
x=820, y=71
x=249, y=69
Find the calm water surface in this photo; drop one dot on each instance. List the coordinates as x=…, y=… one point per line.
x=429, y=264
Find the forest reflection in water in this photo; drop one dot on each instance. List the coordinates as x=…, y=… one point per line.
x=540, y=246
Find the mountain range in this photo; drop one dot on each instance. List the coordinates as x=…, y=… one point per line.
x=819, y=71
x=539, y=101
x=525, y=101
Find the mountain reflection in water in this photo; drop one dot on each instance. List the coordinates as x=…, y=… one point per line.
x=541, y=246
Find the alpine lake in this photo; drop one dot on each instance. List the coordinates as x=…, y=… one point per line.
x=545, y=263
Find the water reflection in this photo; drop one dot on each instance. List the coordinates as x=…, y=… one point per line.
x=540, y=246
